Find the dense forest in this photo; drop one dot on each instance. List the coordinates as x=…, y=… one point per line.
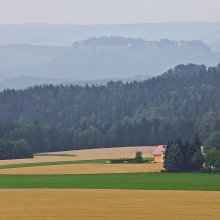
x=176, y=104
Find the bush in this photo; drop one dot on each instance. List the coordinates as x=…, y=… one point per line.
x=14, y=149
x=139, y=158
x=212, y=159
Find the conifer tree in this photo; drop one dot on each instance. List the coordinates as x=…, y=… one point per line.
x=174, y=161
x=198, y=160
x=194, y=147
x=166, y=154
x=196, y=143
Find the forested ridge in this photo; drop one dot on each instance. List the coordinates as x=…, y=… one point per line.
x=175, y=104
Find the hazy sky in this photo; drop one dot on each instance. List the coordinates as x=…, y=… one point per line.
x=108, y=11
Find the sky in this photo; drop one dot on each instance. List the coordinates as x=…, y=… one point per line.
x=85, y=12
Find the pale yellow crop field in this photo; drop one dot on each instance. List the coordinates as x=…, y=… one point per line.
x=74, y=204
x=112, y=153
x=92, y=154
x=86, y=169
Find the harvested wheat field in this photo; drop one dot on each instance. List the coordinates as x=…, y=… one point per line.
x=112, y=153
x=91, y=154
x=85, y=169
x=69, y=204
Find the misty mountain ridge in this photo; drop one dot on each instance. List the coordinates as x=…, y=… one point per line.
x=107, y=58
x=66, y=34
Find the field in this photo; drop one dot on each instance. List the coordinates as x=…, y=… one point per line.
x=136, y=181
x=85, y=169
x=91, y=161
x=80, y=185
x=69, y=204
x=91, y=154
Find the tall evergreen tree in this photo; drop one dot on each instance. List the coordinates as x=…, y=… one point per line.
x=174, y=159
x=185, y=151
x=166, y=153
x=194, y=147
x=196, y=143
x=198, y=160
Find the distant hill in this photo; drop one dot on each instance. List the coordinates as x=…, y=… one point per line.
x=24, y=82
x=107, y=58
x=14, y=57
x=66, y=34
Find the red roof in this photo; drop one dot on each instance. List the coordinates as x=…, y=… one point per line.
x=159, y=150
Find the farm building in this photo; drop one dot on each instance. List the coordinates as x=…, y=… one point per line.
x=158, y=153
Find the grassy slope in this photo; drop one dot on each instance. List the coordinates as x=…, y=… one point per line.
x=147, y=181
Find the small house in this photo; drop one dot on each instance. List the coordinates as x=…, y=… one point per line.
x=158, y=154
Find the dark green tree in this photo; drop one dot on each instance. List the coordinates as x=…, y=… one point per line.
x=14, y=149
x=198, y=160
x=212, y=159
x=196, y=143
x=174, y=161
x=166, y=153
x=194, y=147
x=214, y=140
x=138, y=157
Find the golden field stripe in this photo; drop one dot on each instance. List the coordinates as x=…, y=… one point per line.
x=85, y=169
x=74, y=204
x=91, y=154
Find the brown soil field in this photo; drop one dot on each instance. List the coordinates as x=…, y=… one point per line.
x=92, y=154
x=69, y=204
x=85, y=169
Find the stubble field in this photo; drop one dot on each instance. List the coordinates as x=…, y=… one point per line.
x=91, y=154
x=85, y=169
x=95, y=162
x=69, y=204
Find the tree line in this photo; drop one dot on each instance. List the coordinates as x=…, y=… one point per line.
x=188, y=157
x=44, y=138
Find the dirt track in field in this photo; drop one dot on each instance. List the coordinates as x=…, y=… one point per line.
x=92, y=154
x=85, y=169
x=73, y=204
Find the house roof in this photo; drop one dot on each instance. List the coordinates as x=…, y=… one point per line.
x=159, y=150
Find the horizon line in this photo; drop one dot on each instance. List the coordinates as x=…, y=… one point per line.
x=112, y=24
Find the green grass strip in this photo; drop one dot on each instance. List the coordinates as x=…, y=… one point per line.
x=55, y=155
x=134, y=181
x=130, y=160
x=101, y=161
x=8, y=166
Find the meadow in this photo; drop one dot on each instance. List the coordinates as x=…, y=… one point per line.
x=135, y=181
